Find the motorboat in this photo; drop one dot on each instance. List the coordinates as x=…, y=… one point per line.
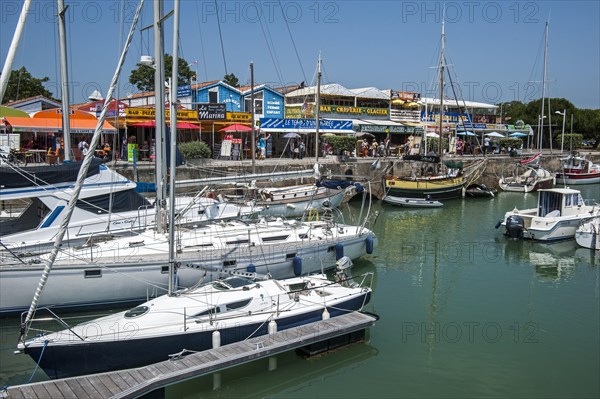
x=426, y=202
x=588, y=234
x=108, y=205
x=131, y=269
x=578, y=169
x=217, y=313
x=532, y=179
x=558, y=214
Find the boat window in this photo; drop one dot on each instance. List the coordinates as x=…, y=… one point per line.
x=207, y=312
x=275, y=238
x=136, y=312
x=238, y=241
x=238, y=304
x=232, y=282
x=290, y=256
x=567, y=200
x=298, y=286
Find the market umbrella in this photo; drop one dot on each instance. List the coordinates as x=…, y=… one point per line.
x=517, y=134
x=434, y=135
x=364, y=134
x=411, y=104
x=236, y=127
x=494, y=134
x=291, y=135
x=466, y=134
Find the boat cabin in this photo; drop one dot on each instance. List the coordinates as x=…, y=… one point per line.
x=559, y=202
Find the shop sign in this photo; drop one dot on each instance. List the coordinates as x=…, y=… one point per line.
x=386, y=129
x=304, y=124
x=184, y=91
x=273, y=107
x=149, y=113
x=406, y=95
x=342, y=109
x=239, y=116
x=212, y=111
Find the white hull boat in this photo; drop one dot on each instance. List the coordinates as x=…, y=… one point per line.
x=412, y=202
x=533, y=179
x=588, y=234
x=223, y=312
x=108, y=206
x=130, y=269
x=559, y=213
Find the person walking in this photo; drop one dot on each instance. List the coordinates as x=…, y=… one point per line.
x=302, y=148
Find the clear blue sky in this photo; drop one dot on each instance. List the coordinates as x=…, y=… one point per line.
x=495, y=48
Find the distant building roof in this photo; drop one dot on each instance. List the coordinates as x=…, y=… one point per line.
x=455, y=103
x=25, y=101
x=371, y=92
x=332, y=89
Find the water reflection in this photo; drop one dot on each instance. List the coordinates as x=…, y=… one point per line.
x=292, y=374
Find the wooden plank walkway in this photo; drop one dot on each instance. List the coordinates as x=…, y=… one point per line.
x=133, y=383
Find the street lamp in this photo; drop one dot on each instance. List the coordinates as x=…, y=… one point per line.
x=540, y=129
x=562, y=141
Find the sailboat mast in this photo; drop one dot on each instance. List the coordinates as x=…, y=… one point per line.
x=159, y=105
x=64, y=76
x=441, y=123
x=12, y=50
x=173, y=149
x=253, y=139
x=541, y=127
x=318, y=108
x=80, y=178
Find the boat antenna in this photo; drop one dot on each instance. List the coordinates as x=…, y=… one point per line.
x=87, y=160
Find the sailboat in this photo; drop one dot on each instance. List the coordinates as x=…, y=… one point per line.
x=437, y=180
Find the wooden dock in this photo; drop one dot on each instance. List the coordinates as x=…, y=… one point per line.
x=133, y=383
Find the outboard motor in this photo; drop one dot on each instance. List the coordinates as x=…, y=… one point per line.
x=515, y=225
x=342, y=272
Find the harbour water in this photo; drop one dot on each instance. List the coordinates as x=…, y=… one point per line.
x=465, y=312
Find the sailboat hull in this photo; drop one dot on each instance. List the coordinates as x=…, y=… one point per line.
x=71, y=359
x=435, y=188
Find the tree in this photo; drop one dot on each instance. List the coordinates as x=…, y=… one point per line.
x=143, y=75
x=231, y=80
x=22, y=85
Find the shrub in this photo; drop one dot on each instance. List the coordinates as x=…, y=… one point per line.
x=510, y=142
x=195, y=150
x=339, y=144
x=576, y=143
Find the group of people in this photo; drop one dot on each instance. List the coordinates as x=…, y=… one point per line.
x=375, y=149
x=470, y=148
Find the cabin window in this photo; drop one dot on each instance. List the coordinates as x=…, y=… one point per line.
x=290, y=256
x=238, y=304
x=275, y=238
x=92, y=273
x=164, y=269
x=239, y=241
x=298, y=287
x=229, y=263
x=136, y=312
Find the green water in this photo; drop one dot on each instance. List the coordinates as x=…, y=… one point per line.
x=465, y=312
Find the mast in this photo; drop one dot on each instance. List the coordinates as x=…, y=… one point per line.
x=173, y=149
x=12, y=50
x=80, y=178
x=318, y=108
x=253, y=139
x=441, y=123
x=159, y=105
x=541, y=126
x=64, y=77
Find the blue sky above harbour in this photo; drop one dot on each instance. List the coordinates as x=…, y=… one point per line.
x=495, y=48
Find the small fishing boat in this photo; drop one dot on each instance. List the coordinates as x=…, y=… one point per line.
x=557, y=216
x=588, y=234
x=578, y=169
x=480, y=191
x=230, y=310
x=528, y=176
x=426, y=202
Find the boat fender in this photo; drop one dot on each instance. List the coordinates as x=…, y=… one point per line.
x=339, y=251
x=499, y=223
x=370, y=244
x=216, y=339
x=325, y=314
x=297, y=262
x=251, y=268
x=272, y=327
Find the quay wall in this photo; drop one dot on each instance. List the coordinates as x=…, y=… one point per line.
x=361, y=169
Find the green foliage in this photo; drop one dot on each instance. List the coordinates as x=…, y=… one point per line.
x=510, y=142
x=195, y=150
x=572, y=141
x=339, y=144
x=143, y=75
x=433, y=142
x=22, y=85
x=231, y=80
